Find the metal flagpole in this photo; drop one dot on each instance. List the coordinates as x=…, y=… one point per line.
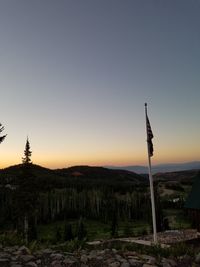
x=150, y=153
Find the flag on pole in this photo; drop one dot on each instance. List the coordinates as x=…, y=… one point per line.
x=150, y=154
x=149, y=137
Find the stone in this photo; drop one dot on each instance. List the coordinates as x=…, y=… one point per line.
x=168, y=262
x=84, y=258
x=149, y=258
x=27, y=258
x=56, y=264
x=114, y=264
x=24, y=250
x=172, y=262
x=93, y=254
x=69, y=262
x=135, y=262
x=152, y=261
x=119, y=258
x=57, y=256
x=47, y=251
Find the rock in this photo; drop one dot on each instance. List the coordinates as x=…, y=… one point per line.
x=166, y=264
x=135, y=263
x=26, y=258
x=93, y=254
x=69, y=262
x=114, y=264
x=24, y=250
x=119, y=258
x=38, y=262
x=149, y=259
x=130, y=254
x=57, y=256
x=172, y=262
x=56, y=264
x=47, y=251
x=84, y=258
x=152, y=261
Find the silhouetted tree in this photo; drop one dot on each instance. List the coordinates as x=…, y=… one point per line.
x=27, y=153
x=26, y=197
x=1, y=130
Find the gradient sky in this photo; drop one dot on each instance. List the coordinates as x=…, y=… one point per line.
x=75, y=74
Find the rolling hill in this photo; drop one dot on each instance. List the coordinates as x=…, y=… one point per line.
x=77, y=175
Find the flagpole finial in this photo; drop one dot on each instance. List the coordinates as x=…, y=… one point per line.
x=145, y=104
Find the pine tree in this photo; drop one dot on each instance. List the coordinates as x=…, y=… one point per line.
x=27, y=153
x=1, y=130
x=26, y=198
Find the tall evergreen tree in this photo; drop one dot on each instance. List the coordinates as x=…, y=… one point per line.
x=27, y=153
x=1, y=130
x=26, y=197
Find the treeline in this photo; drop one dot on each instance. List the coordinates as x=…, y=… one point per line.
x=62, y=204
x=28, y=199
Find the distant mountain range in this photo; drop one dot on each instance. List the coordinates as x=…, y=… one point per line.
x=87, y=176
x=160, y=168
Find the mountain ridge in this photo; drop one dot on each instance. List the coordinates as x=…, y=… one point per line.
x=160, y=168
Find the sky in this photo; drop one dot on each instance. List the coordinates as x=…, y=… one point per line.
x=74, y=77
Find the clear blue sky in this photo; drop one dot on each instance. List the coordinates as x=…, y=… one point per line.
x=74, y=76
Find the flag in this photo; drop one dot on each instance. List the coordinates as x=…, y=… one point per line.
x=2, y=138
x=149, y=137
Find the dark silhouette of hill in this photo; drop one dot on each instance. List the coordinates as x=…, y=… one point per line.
x=87, y=176
x=100, y=174
x=73, y=176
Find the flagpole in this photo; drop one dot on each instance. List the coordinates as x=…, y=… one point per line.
x=151, y=185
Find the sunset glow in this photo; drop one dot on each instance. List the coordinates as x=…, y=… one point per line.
x=75, y=81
